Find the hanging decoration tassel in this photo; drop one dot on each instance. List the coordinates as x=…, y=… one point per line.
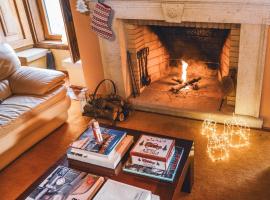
x=101, y=20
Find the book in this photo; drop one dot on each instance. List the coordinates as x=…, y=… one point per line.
x=165, y=175
x=121, y=149
x=151, y=151
x=68, y=184
x=87, y=144
x=95, y=169
x=155, y=197
x=113, y=190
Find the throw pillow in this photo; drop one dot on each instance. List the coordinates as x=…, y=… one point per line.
x=9, y=61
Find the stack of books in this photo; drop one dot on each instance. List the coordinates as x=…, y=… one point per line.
x=69, y=184
x=113, y=190
x=154, y=157
x=106, y=154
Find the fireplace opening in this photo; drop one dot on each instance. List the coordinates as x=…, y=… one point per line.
x=191, y=66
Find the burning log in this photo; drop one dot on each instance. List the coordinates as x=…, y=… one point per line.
x=195, y=86
x=177, y=89
x=177, y=80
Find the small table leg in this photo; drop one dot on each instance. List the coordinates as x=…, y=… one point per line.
x=189, y=179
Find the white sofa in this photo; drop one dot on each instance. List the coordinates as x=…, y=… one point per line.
x=33, y=102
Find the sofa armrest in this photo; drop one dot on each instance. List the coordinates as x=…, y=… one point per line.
x=30, y=80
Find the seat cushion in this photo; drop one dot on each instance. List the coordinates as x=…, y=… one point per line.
x=31, y=80
x=5, y=91
x=17, y=109
x=9, y=61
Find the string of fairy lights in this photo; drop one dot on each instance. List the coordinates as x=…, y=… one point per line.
x=235, y=134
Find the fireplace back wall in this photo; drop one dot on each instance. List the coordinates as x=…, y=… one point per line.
x=200, y=44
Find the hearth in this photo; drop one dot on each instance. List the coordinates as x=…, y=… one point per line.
x=244, y=27
x=192, y=66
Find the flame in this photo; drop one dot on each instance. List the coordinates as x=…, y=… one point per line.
x=184, y=71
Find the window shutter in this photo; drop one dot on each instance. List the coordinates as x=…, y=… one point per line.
x=70, y=30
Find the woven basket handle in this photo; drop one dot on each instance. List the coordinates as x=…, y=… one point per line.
x=101, y=82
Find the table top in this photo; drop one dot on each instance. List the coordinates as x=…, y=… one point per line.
x=165, y=190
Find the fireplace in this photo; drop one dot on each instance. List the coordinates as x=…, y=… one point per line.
x=208, y=51
x=228, y=54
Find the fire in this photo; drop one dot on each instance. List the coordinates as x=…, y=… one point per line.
x=184, y=71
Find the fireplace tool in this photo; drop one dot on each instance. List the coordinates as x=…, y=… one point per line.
x=147, y=78
x=227, y=86
x=142, y=56
x=135, y=87
x=139, y=56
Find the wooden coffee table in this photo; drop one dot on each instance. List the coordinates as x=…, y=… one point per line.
x=182, y=183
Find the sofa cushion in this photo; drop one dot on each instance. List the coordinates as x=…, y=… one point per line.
x=31, y=80
x=5, y=91
x=9, y=61
x=18, y=109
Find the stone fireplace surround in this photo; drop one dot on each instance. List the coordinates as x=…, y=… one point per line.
x=253, y=17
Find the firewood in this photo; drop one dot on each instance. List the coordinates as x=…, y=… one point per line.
x=177, y=80
x=195, y=86
x=89, y=110
x=113, y=106
x=99, y=103
x=177, y=89
x=116, y=98
x=106, y=114
x=120, y=103
x=121, y=117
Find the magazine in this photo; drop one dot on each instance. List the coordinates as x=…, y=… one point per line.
x=113, y=190
x=166, y=175
x=87, y=143
x=65, y=183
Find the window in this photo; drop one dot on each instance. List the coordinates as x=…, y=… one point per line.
x=52, y=20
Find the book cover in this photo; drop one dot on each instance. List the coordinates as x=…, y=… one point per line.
x=87, y=144
x=121, y=150
x=166, y=175
x=65, y=183
x=152, y=147
x=145, y=161
x=113, y=190
x=155, y=197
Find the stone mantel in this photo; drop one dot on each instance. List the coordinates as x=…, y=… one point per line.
x=230, y=11
x=253, y=15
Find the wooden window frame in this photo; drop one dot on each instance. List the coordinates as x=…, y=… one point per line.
x=45, y=22
x=38, y=34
